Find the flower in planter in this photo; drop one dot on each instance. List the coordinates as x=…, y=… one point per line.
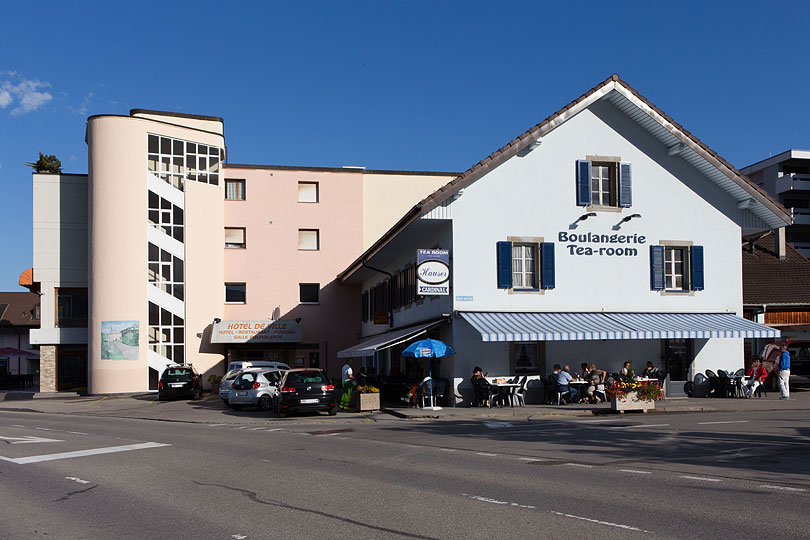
x=367, y=389
x=645, y=391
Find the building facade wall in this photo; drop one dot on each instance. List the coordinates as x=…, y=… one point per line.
x=121, y=290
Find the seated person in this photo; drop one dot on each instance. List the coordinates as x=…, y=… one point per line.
x=627, y=371
x=481, y=387
x=583, y=371
x=651, y=372
x=596, y=378
x=563, y=378
x=362, y=377
x=756, y=375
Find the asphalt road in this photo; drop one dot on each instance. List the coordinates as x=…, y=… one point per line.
x=665, y=475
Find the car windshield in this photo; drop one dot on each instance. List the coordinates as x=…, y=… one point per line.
x=306, y=377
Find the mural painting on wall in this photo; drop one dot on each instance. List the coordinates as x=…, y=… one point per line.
x=119, y=340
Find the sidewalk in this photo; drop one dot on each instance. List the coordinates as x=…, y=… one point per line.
x=211, y=410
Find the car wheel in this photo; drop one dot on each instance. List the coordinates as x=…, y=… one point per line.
x=264, y=403
x=161, y=397
x=333, y=411
x=224, y=401
x=235, y=407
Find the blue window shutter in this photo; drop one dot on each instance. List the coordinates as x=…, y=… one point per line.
x=657, y=268
x=625, y=185
x=504, y=265
x=696, y=263
x=583, y=182
x=547, y=265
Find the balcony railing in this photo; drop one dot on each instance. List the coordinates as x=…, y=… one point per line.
x=801, y=216
x=790, y=182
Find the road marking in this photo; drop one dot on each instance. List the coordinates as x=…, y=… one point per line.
x=82, y=453
x=640, y=426
x=496, y=501
x=484, y=454
x=497, y=425
x=634, y=471
x=726, y=422
x=702, y=478
x=447, y=449
x=532, y=460
x=78, y=480
x=28, y=439
x=784, y=488
x=238, y=536
x=600, y=522
x=215, y=425
x=579, y=465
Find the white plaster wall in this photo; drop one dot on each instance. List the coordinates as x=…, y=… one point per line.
x=535, y=196
x=59, y=247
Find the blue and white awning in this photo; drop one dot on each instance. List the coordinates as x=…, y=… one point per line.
x=504, y=326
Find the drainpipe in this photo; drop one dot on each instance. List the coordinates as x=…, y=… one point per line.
x=390, y=291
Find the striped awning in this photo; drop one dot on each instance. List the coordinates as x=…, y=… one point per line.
x=388, y=339
x=503, y=326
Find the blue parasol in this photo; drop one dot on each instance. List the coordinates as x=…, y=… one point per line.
x=429, y=348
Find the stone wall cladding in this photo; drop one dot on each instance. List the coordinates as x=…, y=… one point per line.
x=47, y=368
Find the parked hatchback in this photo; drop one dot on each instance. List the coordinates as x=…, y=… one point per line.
x=226, y=384
x=254, y=388
x=305, y=390
x=179, y=381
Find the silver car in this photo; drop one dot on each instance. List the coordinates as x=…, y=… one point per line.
x=255, y=388
x=227, y=382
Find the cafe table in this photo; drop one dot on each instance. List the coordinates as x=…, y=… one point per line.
x=505, y=390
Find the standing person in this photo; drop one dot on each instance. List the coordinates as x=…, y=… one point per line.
x=756, y=375
x=784, y=372
x=347, y=378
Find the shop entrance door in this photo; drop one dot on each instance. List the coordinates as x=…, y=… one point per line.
x=677, y=361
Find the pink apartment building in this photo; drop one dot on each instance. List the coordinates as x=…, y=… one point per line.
x=175, y=255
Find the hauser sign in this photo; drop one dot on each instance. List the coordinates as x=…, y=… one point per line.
x=432, y=272
x=256, y=332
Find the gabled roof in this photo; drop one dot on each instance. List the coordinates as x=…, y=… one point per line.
x=634, y=105
x=19, y=309
x=767, y=279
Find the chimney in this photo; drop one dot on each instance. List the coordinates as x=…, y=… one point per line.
x=780, y=242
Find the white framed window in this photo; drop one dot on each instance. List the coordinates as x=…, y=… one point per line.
x=308, y=293
x=524, y=266
x=676, y=275
x=307, y=192
x=308, y=240
x=235, y=293
x=235, y=238
x=234, y=190
x=603, y=184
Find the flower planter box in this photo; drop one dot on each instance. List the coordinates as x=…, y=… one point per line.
x=631, y=403
x=367, y=402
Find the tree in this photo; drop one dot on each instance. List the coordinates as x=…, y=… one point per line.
x=46, y=164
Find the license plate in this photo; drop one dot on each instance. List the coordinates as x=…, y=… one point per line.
x=177, y=385
x=241, y=394
x=308, y=401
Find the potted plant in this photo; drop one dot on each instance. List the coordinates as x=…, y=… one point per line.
x=214, y=381
x=367, y=398
x=629, y=395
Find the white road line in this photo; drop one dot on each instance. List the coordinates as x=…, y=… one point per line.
x=579, y=465
x=28, y=439
x=639, y=426
x=82, y=453
x=702, y=478
x=600, y=522
x=484, y=454
x=215, y=425
x=634, y=471
x=532, y=460
x=726, y=422
x=78, y=480
x=495, y=425
x=784, y=488
x=496, y=501
x=595, y=421
x=447, y=449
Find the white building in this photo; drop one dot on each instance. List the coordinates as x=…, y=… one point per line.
x=605, y=233
x=787, y=178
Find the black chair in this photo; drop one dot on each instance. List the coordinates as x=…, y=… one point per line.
x=519, y=393
x=714, y=383
x=724, y=387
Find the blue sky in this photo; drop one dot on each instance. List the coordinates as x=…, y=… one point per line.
x=386, y=85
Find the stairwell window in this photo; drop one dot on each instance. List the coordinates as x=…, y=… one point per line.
x=235, y=238
x=308, y=240
x=234, y=190
x=235, y=293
